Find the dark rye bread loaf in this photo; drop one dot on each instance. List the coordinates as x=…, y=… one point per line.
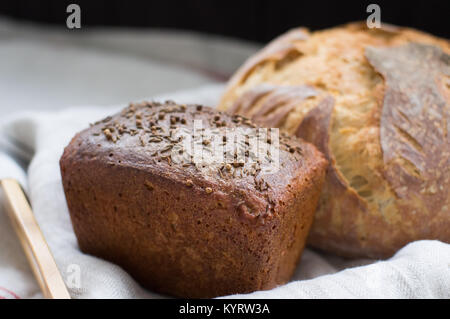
x=187, y=228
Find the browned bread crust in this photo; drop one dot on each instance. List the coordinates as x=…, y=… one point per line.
x=185, y=229
x=378, y=106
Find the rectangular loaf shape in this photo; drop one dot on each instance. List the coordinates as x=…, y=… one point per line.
x=187, y=228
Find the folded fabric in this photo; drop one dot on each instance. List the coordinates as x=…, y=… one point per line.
x=419, y=270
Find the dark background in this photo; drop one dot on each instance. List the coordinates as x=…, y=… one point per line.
x=252, y=19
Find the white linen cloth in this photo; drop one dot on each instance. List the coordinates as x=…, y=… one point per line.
x=47, y=69
x=420, y=270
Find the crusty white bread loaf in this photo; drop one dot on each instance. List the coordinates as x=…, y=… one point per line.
x=377, y=103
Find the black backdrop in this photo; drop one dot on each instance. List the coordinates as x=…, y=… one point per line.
x=257, y=20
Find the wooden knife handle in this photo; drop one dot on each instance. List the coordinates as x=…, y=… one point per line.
x=33, y=242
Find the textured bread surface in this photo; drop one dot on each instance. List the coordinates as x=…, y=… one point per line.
x=376, y=103
x=183, y=228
